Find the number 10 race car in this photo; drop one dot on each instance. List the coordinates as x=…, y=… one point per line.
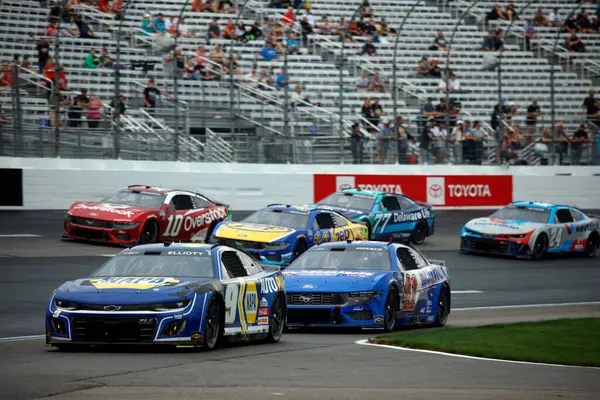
x=532, y=230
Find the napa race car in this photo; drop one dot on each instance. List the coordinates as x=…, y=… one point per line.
x=532, y=230
x=388, y=216
x=366, y=284
x=185, y=294
x=278, y=234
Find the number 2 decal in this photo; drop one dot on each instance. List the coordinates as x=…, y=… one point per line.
x=174, y=225
x=410, y=293
x=555, y=237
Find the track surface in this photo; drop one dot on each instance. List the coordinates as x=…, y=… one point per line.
x=327, y=365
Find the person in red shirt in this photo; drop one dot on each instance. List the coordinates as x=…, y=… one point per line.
x=5, y=75
x=288, y=17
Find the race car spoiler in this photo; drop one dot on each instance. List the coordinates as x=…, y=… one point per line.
x=441, y=263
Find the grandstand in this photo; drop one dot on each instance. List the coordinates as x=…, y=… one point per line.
x=223, y=120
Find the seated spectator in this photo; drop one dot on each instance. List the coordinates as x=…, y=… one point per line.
x=279, y=4
x=218, y=56
x=92, y=61
x=266, y=79
x=530, y=33
x=571, y=24
x=282, y=80
x=226, y=7
x=362, y=82
x=498, y=41
x=366, y=11
x=190, y=72
x=69, y=29
x=354, y=29
x=252, y=76
x=489, y=43
x=440, y=43
x=574, y=43
x=377, y=111
x=495, y=14
x=555, y=18
x=268, y=52
x=423, y=67
x=214, y=32
x=26, y=63
x=52, y=29
x=325, y=27
x=118, y=7
x=5, y=75
x=540, y=19
x=369, y=49
x=307, y=30
x=55, y=12
x=383, y=28
x=510, y=13
x=289, y=17
x=293, y=47
x=595, y=26
x=200, y=56
x=201, y=6
x=298, y=99
x=434, y=70
x=376, y=85
x=310, y=17
x=253, y=34
x=585, y=25
x=171, y=25
x=229, y=31
x=148, y=27
x=85, y=31
x=370, y=29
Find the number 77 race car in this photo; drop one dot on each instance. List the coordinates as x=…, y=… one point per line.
x=532, y=230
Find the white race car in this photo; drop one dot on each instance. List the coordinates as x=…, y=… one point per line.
x=532, y=230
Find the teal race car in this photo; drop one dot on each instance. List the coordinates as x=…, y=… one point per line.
x=388, y=216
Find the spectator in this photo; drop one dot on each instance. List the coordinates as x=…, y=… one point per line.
x=80, y=102
x=310, y=18
x=118, y=8
x=190, y=72
x=218, y=56
x=173, y=64
x=511, y=112
x=298, y=99
x=473, y=149
x=214, y=32
x=530, y=33
x=268, y=52
x=425, y=143
x=533, y=113
x=69, y=29
x=577, y=144
x=402, y=140
x=561, y=142
x=454, y=84
x=353, y=28
x=201, y=6
x=367, y=112
x=575, y=44
x=457, y=138
x=184, y=29
x=545, y=148
x=377, y=112
x=55, y=12
x=498, y=41
x=94, y=112
x=159, y=24
x=555, y=18
x=571, y=25
x=265, y=79
x=226, y=6
x=590, y=106
x=121, y=108
x=440, y=43
x=585, y=26
x=495, y=14
x=103, y=6
x=366, y=11
x=229, y=31
x=105, y=60
x=293, y=46
x=540, y=19
x=489, y=43
x=441, y=109
x=307, y=30
x=150, y=94
x=289, y=17
x=200, y=55
x=92, y=61
x=369, y=49
x=427, y=112
x=5, y=75
x=43, y=49
x=283, y=80
x=356, y=138
x=27, y=64
x=383, y=139
x=148, y=28
x=376, y=85
x=325, y=27
x=423, y=67
x=362, y=82
x=439, y=135
x=253, y=34
x=510, y=13
x=435, y=71
x=85, y=31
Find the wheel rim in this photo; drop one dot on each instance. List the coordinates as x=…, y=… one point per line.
x=276, y=321
x=212, y=325
x=540, y=246
x=443, y=308
x=390, y=308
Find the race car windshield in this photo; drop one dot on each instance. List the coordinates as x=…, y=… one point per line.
x=345, y=258
x=291, y=219
x=529, y=214
x=137, y=199
x=354, y=201
x=199, y=265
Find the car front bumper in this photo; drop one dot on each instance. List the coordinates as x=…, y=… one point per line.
x=101, y=235
x=363, y=316
x=477, y=244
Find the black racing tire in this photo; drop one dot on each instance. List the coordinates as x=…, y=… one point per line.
x=368, y=225
x=390, y=313
x=299, y=249
x=277, y=319
x=539, y=247
x=209, y=231
x=419, y=234
x=591, y=246
x=149, y=233
x=443, y=308
x=213, y=329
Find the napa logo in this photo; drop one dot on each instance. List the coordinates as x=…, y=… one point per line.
x=132, y=282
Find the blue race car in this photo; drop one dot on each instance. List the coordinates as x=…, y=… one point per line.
x=388, y=216
x=278, y=234
x=190, y=295
x=367, y=285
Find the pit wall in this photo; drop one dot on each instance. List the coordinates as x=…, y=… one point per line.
x=53, y=184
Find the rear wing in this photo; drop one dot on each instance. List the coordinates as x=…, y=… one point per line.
x=441, y=263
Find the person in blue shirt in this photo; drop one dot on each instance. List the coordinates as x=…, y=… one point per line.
x=269, y=53
x=159, y=24
x=282, y=80
x=292, y=44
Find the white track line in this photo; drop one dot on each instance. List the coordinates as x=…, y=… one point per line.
x=365, y=342
x=19, y=338
x=465, y=291
x=589, y=303
x=20, y=235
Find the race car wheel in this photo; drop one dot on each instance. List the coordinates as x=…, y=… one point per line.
x=212, y=330
x=540, y=246
x=419, y=233
x=277, y=319
x=443, y=308
x=149, y=233
x=298, y=250
x=391, y=309
x=591, y=247
x=368, y=225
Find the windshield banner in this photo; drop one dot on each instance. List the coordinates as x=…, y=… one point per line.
x=438, y=190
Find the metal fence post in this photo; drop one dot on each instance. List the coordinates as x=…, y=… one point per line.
x=117, y=94
x=175, y=82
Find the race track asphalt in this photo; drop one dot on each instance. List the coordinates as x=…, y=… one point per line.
x=304, y=365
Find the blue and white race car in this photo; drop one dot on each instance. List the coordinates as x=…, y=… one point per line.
x=532, y=230
x=366, y=284
x=190, y=295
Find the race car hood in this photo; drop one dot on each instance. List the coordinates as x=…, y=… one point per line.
x=107, y=211
x=331, y=280
x=252, y=232
x=132, y=290
x=495, y=226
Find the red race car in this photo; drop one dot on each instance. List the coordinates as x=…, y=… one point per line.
x=143, y=214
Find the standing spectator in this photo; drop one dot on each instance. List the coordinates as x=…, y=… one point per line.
x=43, y=49
x=574, y=43
x=80, y=102
x=590, y=106
x=555, y=18
x=92, y=61
x=533, y=113
x=402, y=141
x=425, y=143
x=439, y=137
x=362, y=82
x=377, y=111
x=545, y=148
x=356, y=138
x=383, y=138
x=5, y=75
x=474, y=143
x=561, y=142
x=94, y=112
x=427, y=112
x=577, y=144
x=457, y=138
x=440, y=43
x=498, y=42
x=121, y=108
x=150, y=94
x=367, y=113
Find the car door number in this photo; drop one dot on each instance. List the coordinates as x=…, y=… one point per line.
x=381, y=220
x=174, y=223
x=555, y=237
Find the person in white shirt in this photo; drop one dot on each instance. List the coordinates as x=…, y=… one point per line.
x=310, y=18
x=555, y=18
x=454, y=84
x=458, y=135
x=438, y=146
x=362, y=83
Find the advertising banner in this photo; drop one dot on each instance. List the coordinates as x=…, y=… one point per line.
x=441, y=191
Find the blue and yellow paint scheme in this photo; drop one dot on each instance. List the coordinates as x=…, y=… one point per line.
x=278, y=234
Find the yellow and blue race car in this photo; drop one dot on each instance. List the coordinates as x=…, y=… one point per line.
x=278, y=234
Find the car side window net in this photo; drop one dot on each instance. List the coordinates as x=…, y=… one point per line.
x=182, y=202
x=339, y=221
x=406, y=259
x=563, y=216
x=391, y=203
x=325, y=221
x=404, y=204
x=233, y=265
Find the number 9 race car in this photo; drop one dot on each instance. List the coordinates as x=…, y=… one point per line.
x=532, y=230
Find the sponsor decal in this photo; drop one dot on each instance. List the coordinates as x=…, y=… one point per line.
x=259, y=228
x=370, y=248
x=308, y=286
x=378, y=319
x=263, y=320
x=191, y=223
x=132, y=283
x=587, y=227
x=108, y=207
x=498, y=225
x=358, y=308
x=186, y=253
x=271, y=285
x=430, y=278
x=264, y=302
x=357, y=274
x=196, y=336
x=263, y=312
x=430, y=318
x=251, y=302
